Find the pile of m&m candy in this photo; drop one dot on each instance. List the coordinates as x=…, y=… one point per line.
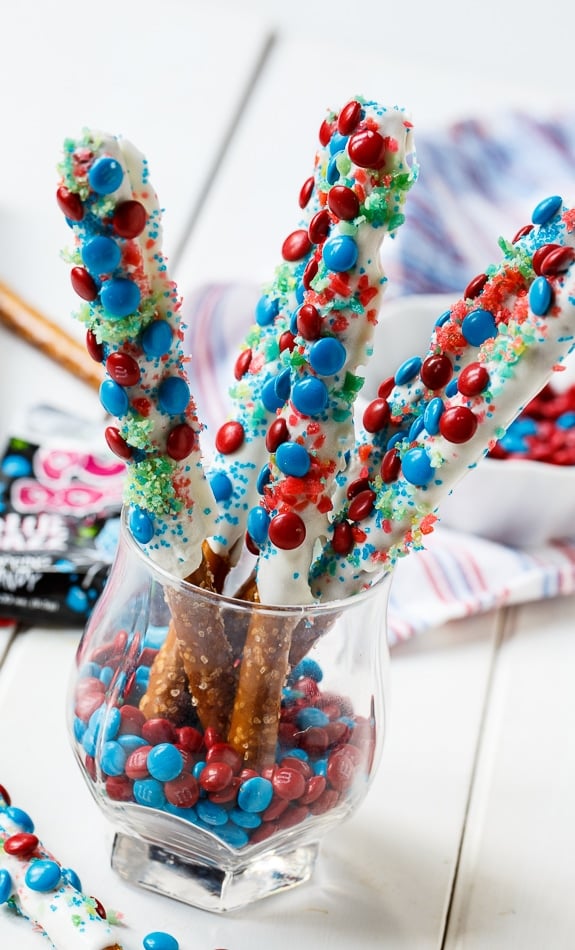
x=324, y=754
x=545, y=430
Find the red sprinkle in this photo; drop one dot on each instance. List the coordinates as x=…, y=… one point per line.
x=287, y=531
x=180, y=442
x=296, y=245
x=436, y=371
x=229, y=437
x=376, y=415
x=117, y=444
x=342, y=538
x=286, y=341
x=277, y=433
x=319, y=227
x=129, y=219
x=473, y=380
x=123, y=369
x=362, y=505
x=306, y=191
x=309, y=322
x=367, y=149
x=458, y=424
x=83, y=283
x=349, y=117
x=242, y=363
x=70, y=203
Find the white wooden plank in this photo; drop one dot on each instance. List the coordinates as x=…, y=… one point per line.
x=383, y=877
x=153, y=74
x=517, y=874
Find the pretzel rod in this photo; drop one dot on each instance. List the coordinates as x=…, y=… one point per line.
x=35, y=885
x=132, y=313
x=513, y=364
x=365, y=182
x=31, y=325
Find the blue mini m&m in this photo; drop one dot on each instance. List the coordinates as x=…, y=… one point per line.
x=120, y=297
x=340, y=253
x=258, y=524
x=5, y=885
x=327, y=356
x=114, y=398
x=160, y=940
x=105, y=175
x=267, y=310
x=101, y=255
x=156, y=339
x=309, y=396
x=173, y=395
x=546, y=209
x=141, y=525
x=221, y=486
x=293, y=459
x=540, y=296
x=43, y=875
x=416, y=466
x=478, y=326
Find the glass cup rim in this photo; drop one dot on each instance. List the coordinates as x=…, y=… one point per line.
x=380, y=580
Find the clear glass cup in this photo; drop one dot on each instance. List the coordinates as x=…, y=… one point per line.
x=221, y=778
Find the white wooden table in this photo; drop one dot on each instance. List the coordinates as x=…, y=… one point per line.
x=467, y=838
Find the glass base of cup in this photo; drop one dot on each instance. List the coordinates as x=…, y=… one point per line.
x=200, y=883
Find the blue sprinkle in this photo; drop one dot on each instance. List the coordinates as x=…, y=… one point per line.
x=566, y=420
x=222, y=486
x=160, y=940
x=21, y=818
x=416, y=427
x=310, y=396
x=270, y=397
x=156, y=339
x=211, y=813
x=266, y=311
x=282, y=384
x=337, y=143
x=120, y=297
x=443, y=318
x=327, y=356
x=546, y=209
x=540, y=296
x=173, y=395
x=293, y=459
x=114, y=398
x=72, y=879
x=255, y=794
x=310, y=716
x=340, y=253
x=408, y=370
x=105, y=175
x=263, y=478
x=432, y=414
x=416, y=466
x=43, y=875
x=258, y=525
x=113, y=758
x=141, y=525
x=150, y=792
x=307, y=667
x=165, y=762
x=101, y=255
x=332, y=173
x=478, y=326
x=5, y=885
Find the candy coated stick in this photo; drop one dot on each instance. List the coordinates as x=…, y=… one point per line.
x=132, y=313
x=48, y=337
x=35, y=885
x=512, y=366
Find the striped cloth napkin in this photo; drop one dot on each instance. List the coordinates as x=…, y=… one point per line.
x=478, y=181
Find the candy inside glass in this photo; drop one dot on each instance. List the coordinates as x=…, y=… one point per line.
x=193, y=820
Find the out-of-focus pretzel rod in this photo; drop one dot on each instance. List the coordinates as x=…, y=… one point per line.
x=32, y=326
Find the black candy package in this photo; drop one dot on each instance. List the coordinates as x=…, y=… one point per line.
x=59, y=521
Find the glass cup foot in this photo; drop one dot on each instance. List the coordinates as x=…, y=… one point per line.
x=196, y=881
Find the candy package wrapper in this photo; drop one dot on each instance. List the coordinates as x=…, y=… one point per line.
x=60, y=503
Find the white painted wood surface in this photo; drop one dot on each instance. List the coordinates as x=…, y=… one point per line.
x=466, y=839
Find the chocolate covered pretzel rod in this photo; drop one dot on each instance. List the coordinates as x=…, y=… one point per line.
x=34, y=884
x=365, y=178
x=514, y=361
x=132, y=314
